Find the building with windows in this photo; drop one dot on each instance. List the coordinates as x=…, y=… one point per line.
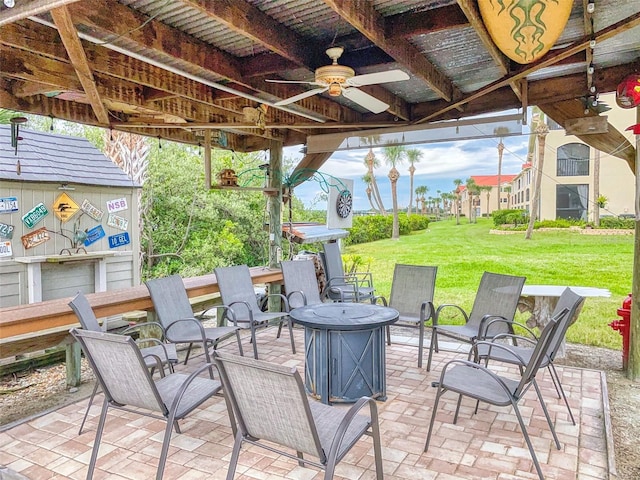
x=578, y=181
x=486, y=201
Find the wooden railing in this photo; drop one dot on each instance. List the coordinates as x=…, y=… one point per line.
x=24, y=328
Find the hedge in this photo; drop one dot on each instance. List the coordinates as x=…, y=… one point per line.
x=370, y=228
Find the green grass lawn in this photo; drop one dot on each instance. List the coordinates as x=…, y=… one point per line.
x=463, y=252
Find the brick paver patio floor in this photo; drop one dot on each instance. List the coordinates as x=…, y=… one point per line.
x=487, y=445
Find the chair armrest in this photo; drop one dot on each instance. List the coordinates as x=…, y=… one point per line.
x=229, y=309
x=375, y=299
x=189, y=320
x=297, y=292
x=438, y=311
x=348, y=418
x=282, y=297
x=137, y=327
x=158, y=361
x=423, y=311
x=489, y=320
x=364, y=279
x=189, y=380
x=492, y=345
x=482, y=371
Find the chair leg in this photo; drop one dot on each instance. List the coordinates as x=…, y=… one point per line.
x=279, y=330
x=528, y=441
x=86, y=413
x=455, y=416
x=239, y=343
x=233, y=463
x=301, y=457
x=171, y=423
x=388, y=334
x=96, y=442
x=433, y=417
x=420, y=342
x=253, y=342
x=293, y=342
x=556, y=381
x=433, y=343
x=377, y=446
x=188, y=353
x=546, y=414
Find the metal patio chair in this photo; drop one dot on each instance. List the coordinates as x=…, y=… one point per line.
x=470, y=379
x=255, y=390
x=240, y=303
x=569, y=301
x=174, y=312
x=497, y=297
x=128, y=385
x=300, y=283
x=341, y=286
x=412, y=292
x=159, y=349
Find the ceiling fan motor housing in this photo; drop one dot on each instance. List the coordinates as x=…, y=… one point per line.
x=334, y=76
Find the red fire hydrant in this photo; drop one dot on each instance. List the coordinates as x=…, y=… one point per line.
x=624, y=327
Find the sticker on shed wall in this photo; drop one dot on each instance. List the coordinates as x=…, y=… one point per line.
x=5, y=249
x=6, y=231
x=117, y=205
x=119, y=240
x=93, y=235
x=65, y=207
x=91, y=210
x=35, y=238
x=117, y=222
x=34, y=215
x=8, y=204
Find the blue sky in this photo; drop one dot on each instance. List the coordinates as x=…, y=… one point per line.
x=441, y=164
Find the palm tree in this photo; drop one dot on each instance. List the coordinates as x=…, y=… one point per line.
x=500, y=132
x=421, y=191
x=507, y=190
x=394, y=155
x=413, y=156
x=371, y=162
x=487, y=189
x=472, y=190
x=457, y=182
x=366, y=178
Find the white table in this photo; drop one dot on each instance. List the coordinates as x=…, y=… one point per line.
x=541, y=300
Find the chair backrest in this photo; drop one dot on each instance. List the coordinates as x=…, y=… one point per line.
x=120, y=368
x=412, y=285
x=256, y=389
x=572, y=302
x=170, y=301
x=300, y=276
x=332, y=262
x=236, y=286
x=540, y=352
x=80, y=305
x=497, y=294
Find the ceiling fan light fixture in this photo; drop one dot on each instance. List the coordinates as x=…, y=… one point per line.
x=335, y=89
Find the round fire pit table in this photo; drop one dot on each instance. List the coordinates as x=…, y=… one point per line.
x=345, y=350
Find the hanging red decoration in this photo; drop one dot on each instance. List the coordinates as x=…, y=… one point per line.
x=634, y=128
x=628, y=91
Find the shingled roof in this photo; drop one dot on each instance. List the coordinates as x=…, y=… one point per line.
x=46, y=157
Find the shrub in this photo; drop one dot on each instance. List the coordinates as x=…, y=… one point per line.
x=614, y=222
x=511, y=216
x=370, y=228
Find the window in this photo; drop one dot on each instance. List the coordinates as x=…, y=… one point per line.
x=573, y=160
x=572, y=201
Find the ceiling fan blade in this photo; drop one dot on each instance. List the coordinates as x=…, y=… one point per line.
x=364, y=99
x=300, y=96
x=379, y=77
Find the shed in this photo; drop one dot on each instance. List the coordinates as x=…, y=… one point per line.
x=68, y=219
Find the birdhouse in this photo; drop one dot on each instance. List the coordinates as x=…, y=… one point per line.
x=227, y=178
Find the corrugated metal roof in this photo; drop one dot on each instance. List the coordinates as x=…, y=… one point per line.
x=51, y=158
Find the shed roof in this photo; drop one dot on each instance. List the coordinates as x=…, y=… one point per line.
x=51, y=158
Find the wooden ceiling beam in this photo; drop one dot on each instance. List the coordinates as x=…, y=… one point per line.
x=370, y=23
x=247, y=20
x=406, y=25
x=78, y=58
x=27, y=9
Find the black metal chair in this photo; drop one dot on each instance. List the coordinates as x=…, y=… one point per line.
x=341, y=286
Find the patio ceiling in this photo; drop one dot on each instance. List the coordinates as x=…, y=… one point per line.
x=175, y=68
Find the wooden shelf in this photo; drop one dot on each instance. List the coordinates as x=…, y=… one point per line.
x=268, y=191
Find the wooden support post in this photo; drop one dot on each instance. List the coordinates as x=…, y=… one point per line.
x=72, y=363
x=633, y=368
x=207, y=159
x=274, y=204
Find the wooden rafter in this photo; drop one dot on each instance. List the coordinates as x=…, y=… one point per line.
x=70, y=39
x=27, y=9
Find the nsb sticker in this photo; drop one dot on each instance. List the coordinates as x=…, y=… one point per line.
x=117, y=222
x=119, y=240
x=6, y=231
x=8, y=204
x=5, y=249
x=117, y=205
x=34, y=215
x=64, y=207
x=91, y=210
x=35, y=238
x=93, y=235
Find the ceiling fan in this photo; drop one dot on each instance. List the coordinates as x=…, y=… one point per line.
x=342, y=80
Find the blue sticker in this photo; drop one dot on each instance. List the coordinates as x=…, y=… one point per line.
x=93, y=235
x=119, y=240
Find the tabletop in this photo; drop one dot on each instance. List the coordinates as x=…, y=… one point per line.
x=344, y=316
x=556, y=291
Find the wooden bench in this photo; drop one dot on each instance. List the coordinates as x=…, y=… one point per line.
x=37, y=326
